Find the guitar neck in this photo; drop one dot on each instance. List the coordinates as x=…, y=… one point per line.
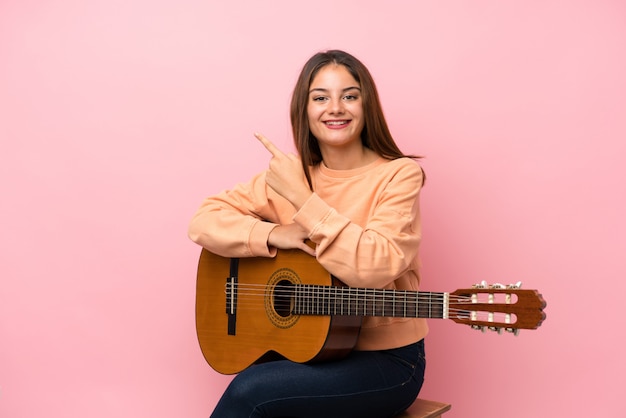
x=337, y=300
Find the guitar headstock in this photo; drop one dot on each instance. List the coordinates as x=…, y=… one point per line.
x=497, y=307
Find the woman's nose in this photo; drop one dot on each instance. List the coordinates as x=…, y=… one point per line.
x=336, y=106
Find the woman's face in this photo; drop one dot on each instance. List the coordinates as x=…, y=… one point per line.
x=335, y=108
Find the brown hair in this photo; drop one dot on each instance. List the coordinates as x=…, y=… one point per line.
x=375, y=135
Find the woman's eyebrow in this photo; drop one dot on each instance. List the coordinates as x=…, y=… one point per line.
x=326, y=90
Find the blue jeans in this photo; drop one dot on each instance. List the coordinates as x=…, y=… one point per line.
x=375, y=384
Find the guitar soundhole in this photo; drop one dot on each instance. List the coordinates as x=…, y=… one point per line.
x=283, y=298
x=279, y=299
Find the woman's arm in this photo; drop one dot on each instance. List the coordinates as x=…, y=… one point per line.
x=386, y=245
x=237, y=222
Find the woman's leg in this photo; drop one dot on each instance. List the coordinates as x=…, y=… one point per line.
x=365, y=384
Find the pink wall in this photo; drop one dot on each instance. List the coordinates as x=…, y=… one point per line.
x=117, y=117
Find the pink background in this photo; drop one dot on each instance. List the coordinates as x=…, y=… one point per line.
x=118, y=117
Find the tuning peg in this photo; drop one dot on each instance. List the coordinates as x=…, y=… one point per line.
x=515, y=286
x=497, y=286
x=479, y=328
x=514, y=331
x=481, y=285
x=496, y=329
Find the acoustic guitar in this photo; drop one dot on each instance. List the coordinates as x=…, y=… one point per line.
x=251, y=310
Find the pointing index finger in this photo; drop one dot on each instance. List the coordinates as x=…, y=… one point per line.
x=268, y=145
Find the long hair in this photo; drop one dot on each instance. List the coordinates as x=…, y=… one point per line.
x=375, y=135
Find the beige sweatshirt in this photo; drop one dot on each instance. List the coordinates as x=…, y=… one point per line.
x=365, y=224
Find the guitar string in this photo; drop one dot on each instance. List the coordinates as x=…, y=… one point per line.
x=253, y=295
x=257, y=304
x=359, y=294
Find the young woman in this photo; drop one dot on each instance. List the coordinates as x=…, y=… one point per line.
x=355, y=195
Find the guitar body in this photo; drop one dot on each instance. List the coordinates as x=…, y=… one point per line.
x=252, y=321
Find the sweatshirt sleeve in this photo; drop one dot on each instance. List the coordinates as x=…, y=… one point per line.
x=376, y=251
x=237, y=222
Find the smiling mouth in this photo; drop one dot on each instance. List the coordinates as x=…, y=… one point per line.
x=336, y=123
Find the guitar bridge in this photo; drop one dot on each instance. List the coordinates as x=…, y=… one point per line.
x=231, y=296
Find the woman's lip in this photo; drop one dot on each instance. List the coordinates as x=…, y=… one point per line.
x=336, y=124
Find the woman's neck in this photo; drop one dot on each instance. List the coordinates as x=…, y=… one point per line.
x=348, y=159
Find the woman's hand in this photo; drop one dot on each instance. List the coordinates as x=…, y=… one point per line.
x=290, y=236
x=286, y=175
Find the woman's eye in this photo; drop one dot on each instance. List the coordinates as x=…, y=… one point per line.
x=319, y=99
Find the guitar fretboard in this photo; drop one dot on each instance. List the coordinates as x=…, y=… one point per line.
x=336, y=300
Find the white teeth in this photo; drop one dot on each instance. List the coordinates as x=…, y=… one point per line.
x=336, y=122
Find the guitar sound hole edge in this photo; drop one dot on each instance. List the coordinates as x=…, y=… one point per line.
x=283, y=298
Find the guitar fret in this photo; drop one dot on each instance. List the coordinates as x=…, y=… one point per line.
x=307, y=300
x=372, y=299
x=352, y=302
x=380, y=308
x=423, y=310
x=342, y=289
x=327, y=301
x=430, y=305
x=364, y=302
x=410, y=303
x=404, y=295
x=315, y=306
x=319, y=300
